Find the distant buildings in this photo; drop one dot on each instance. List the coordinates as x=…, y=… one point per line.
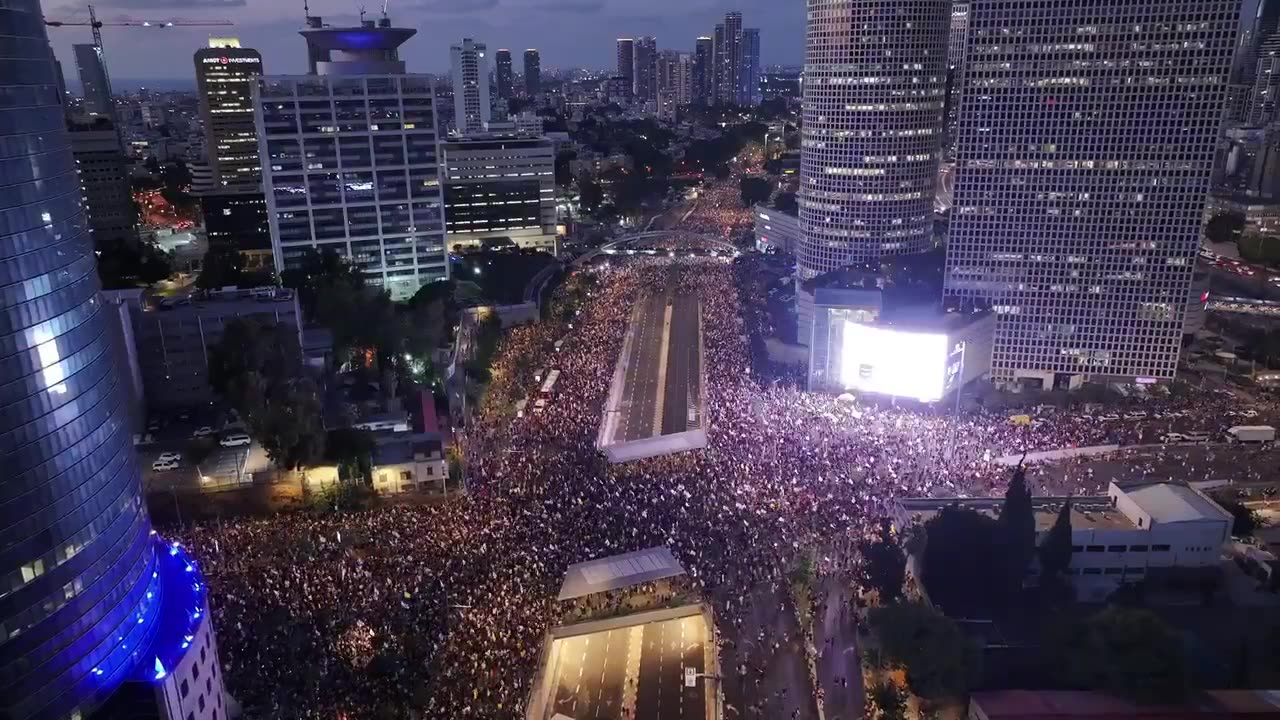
x=470, y=75
x=93, y=80
x=646, y=69
x=103, y=170
x=502, y=74
x=500, y=187
x=703, y=71
x=749, y=90
x=382, y=206
x=872, y=131
x=729, y=58
x=532, y=73
x=626, y=62
x=1079, y=198
x=783, y=84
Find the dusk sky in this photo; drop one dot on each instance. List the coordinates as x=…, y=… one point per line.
x=568, y=33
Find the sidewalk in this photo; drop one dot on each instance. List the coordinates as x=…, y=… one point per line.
x=836, y=638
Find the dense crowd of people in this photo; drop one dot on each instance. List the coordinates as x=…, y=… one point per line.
x=440, y=611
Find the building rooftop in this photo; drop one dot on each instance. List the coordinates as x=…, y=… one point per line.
x=619, y=571
x=1087, y=513
x=1171, y=503
x=402, y=449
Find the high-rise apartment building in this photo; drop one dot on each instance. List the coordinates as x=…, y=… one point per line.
x=104, y=182
x=730, y=90
x=749, y=90
x=225, y=76
x=92, y=604
x=626, y=62
x=718, y=48
x=469, y=70
x=532, y=73
x=1255, y=29
x=93, y=81
x=703, y=71
x=871, y=139
x=645, y=65
x=669, y=82
x=502, y=74
x=1082, y=167
x=350, y=160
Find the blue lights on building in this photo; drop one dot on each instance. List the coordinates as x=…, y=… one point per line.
x=183, y=596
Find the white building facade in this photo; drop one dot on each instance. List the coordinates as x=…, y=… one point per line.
x=500, y=186
x=1084, y=149
x=469, y=70
x=872, y=133
x=350, y=163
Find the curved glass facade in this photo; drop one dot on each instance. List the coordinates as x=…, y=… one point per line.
x=78, y=581
x=874, y=86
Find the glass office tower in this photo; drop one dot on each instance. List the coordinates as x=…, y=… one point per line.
x=78, y=583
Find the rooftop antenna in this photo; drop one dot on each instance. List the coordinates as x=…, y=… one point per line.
x=306, y=9
x=384, y=7
x=362, y=14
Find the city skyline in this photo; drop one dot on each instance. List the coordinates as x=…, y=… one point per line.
x=271, y=29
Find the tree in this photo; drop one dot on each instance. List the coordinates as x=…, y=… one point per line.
x=257, y=368
x=1018, y=526
x=786, y=202
x=127, y=263
x=318, y=272
x=352, y=451
x=754, y=190
x=888, y=701
x=1124, y=651
x=884, y=565
x=222, y=266
x=1224, y=227
x=591, y=195
x=963, y=562
x=564, y=176
x=1244, y=520
x=940, y=662
x=1055, y=550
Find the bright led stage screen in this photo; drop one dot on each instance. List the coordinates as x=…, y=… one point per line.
x=894, y=362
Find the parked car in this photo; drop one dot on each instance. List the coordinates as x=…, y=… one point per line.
x=235, y=440
x=145, y=439
x=162, y=465
x=202, y=431
x=1136, y=415
x=169, y=457
x=1109, y=417
x=1173, y=438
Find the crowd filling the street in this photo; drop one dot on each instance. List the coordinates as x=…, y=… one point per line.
x=441, y=610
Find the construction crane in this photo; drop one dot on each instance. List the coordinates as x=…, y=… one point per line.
x=96, y=25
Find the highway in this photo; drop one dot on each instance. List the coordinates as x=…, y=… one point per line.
x=640, y=382
x=637, y=670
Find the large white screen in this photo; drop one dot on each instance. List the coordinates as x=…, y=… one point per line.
x=893, y=362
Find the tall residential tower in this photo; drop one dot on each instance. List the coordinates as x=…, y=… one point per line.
x=874, y=87
x=532, y=72
x=502, y=73
x=1085, y=144
x=469, y=70
x=225, y=76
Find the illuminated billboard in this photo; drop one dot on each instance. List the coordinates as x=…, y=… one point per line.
x=894, y=362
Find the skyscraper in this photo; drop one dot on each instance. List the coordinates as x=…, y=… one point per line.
x=502, y=73
x=703, y=70
x=103, y=168
x=382, y=206
x=667, y=81
x=749, y=90
x=872, y=129
x=718, y=48
x=469, y=70
x=93, y=80
x=1081, y=176
x=626, y=62
x=84, y=586
x=730, y=90
x=956, y=45
x=646, y=69
x=225, y=76
x=532, y=73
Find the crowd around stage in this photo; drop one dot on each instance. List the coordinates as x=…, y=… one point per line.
x=440, y=611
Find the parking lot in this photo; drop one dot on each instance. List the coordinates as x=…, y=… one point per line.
x=218, y=466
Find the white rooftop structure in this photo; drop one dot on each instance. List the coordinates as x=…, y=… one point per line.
x=1170, y=503
x=619, y=571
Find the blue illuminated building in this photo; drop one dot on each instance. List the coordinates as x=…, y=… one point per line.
x=82, y=589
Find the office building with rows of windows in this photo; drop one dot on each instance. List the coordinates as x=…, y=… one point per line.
x=498, y=187
x=874, y=88
x=350, y=159
x=90, y=607
x=1085, y=145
